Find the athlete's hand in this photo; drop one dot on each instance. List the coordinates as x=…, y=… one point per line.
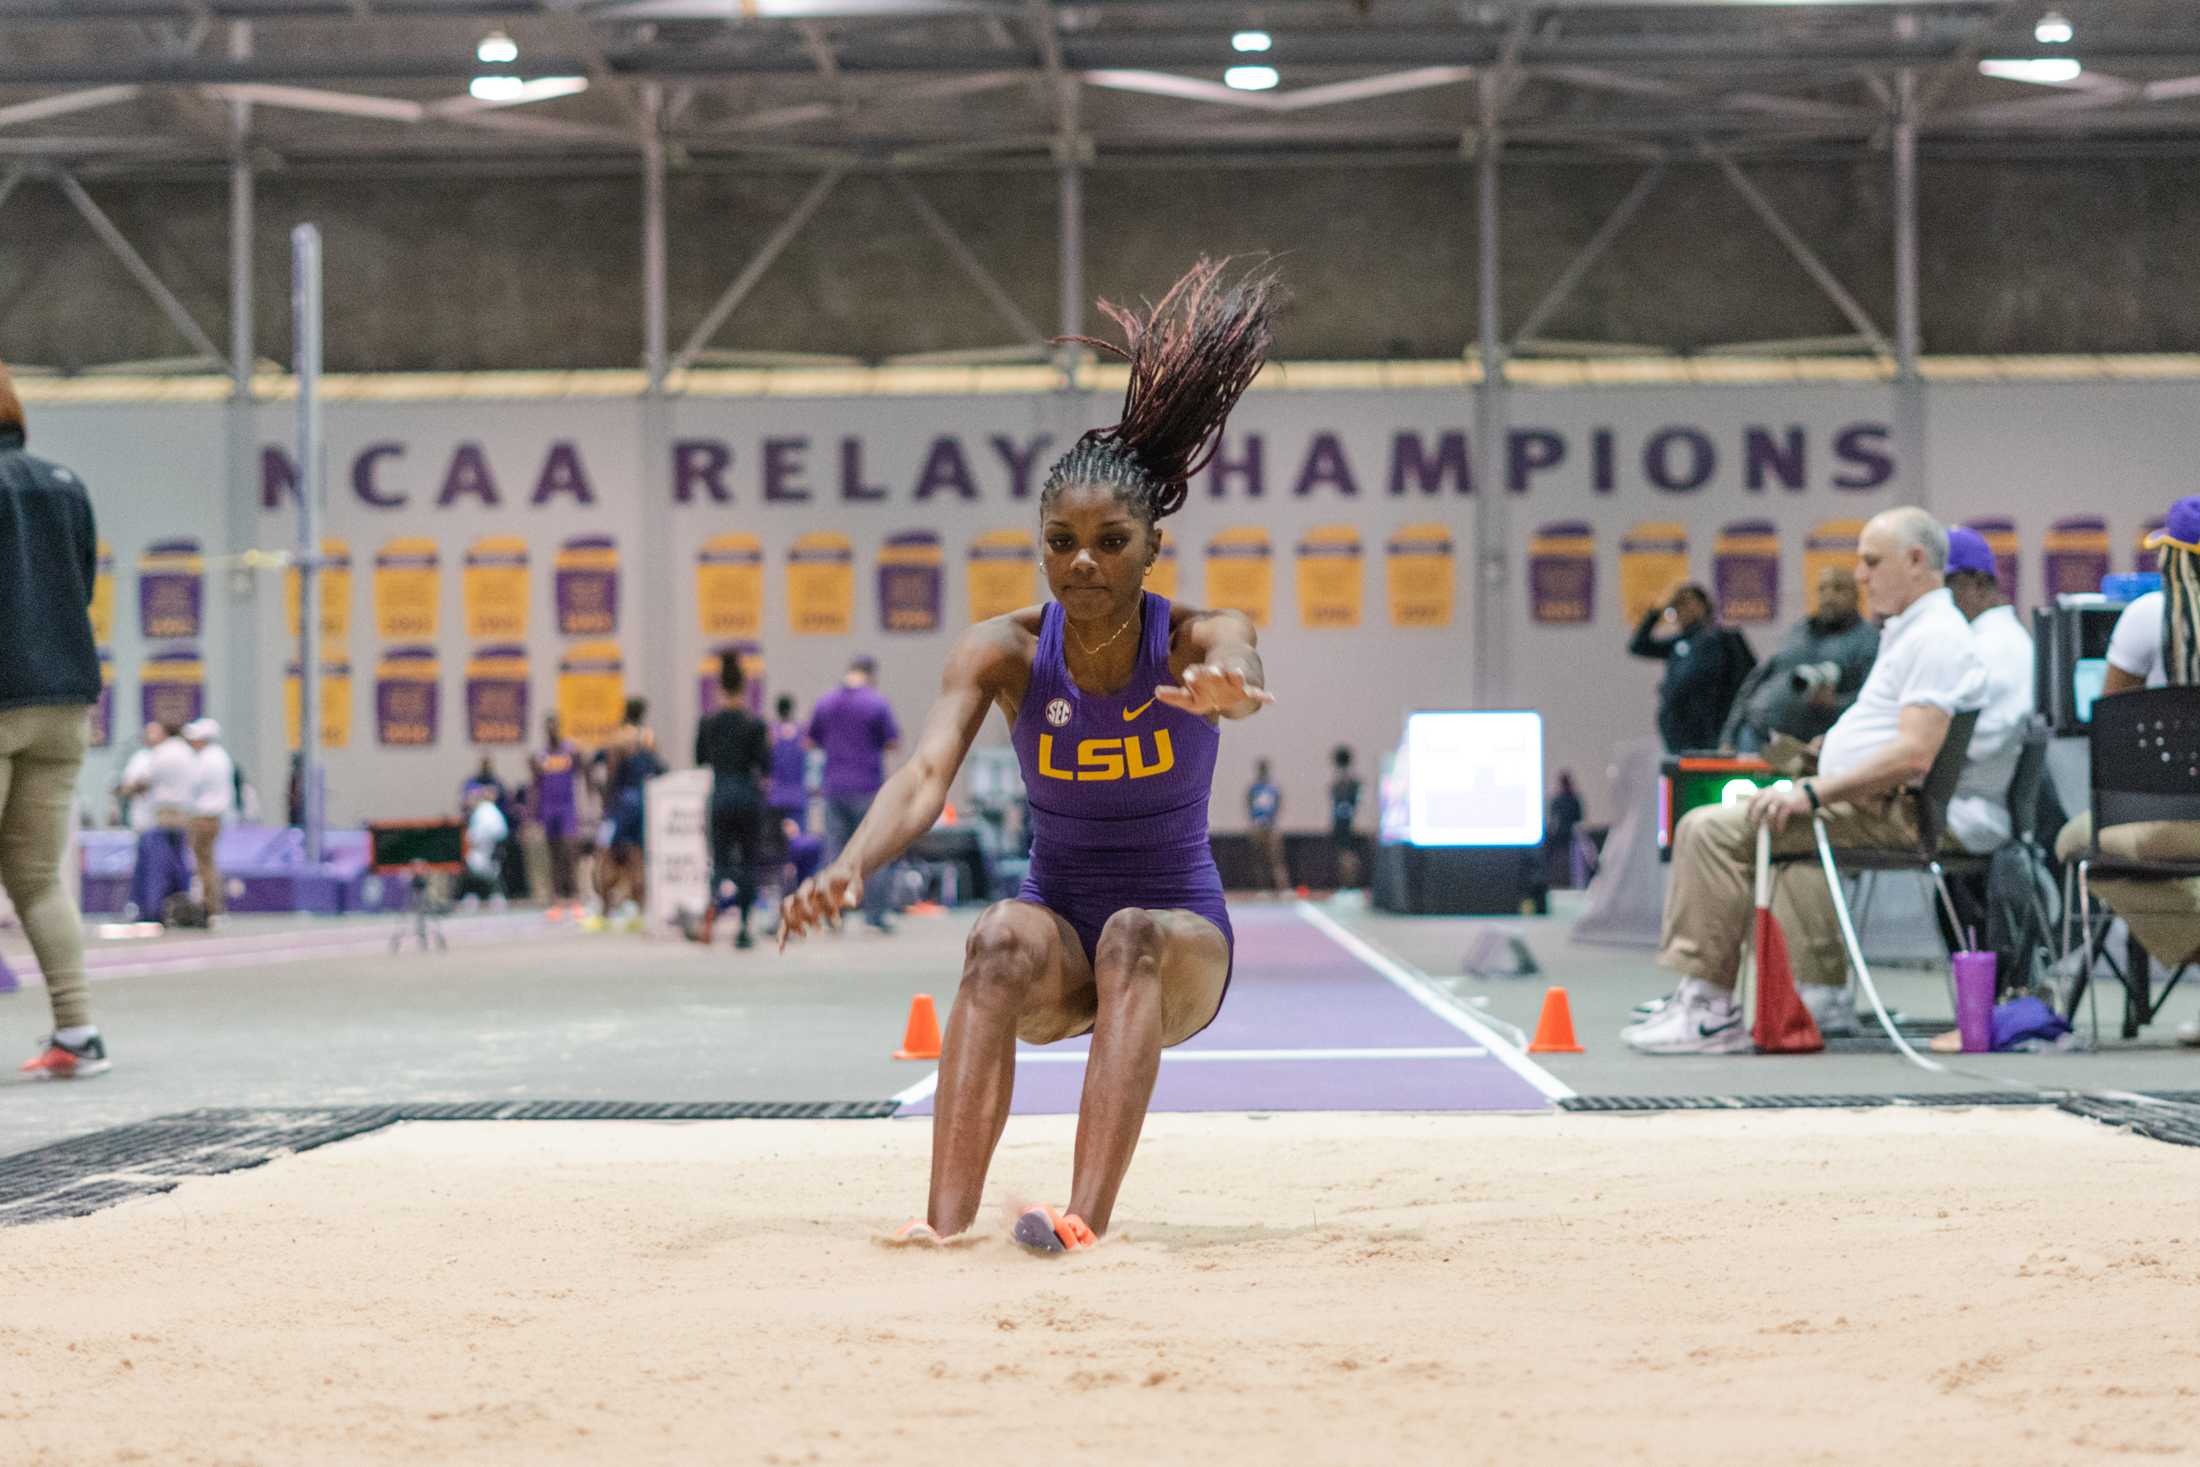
x=1211, y=691
x=819, y=901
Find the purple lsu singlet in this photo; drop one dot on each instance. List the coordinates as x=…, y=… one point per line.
x=1118, y=785
x=555, y=805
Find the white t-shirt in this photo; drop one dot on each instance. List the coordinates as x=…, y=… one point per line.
x=2136, y=644
x=485, y=831
x=215, y=789
x=172, y=777
x=136, y=771
x=1927, y=656
x=1978, y=815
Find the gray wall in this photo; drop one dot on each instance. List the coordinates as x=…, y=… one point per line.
x=470, y=273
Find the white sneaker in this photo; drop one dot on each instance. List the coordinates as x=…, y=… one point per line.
x=2188, y=1034
x=1700, y=1019
x=1649, y=1009
x=1832, y=1009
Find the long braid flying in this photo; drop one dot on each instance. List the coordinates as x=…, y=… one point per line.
x=1191, y=358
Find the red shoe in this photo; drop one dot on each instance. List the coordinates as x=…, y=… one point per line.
x=1043, y=1230
x=60, y=1061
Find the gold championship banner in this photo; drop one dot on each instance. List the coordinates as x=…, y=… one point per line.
x=407, y=590
x=821, y=585
x=1419, y=571
x=729, y=586
x=335, y=597
x=103, y=597
x=1161, y=580
x=1831, y=543
x=493, y=584
x=1331, y=586
x=1003, y=573
x=335, y=709
x=1562, y=573
x=1652, y=556
x=1241, y=572
x=591, y=692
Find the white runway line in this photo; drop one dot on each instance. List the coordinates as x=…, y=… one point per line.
x=1417, y=986
x=1226, y=1056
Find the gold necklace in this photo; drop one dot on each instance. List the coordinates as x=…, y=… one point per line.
x=1096, y=651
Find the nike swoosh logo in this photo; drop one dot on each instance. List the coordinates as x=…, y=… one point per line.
x=1705, y=1031
x=1131, y=713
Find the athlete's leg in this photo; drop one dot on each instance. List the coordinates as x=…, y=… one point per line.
x=1159, y=977
x=1024, y=973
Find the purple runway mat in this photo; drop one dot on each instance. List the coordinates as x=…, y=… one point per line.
x=1307, y=1026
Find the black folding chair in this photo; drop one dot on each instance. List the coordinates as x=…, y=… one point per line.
x=1925, y=858
x=2145, y=761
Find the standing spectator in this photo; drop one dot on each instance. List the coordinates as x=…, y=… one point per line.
x=486, y=834
x=1344, y=809
x=1263, y=803
x=1802, y=688
x=627, y=766
x=137, y=771
x=1559, y=827
x=213, y=796
x=49, y=680
x=555, y=794
x=786, y=791
x=166, y=795
x=1705, y=666
x=733, y=745
x=855, y=727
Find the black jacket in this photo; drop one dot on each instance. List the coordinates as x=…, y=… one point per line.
x=49, y=555
x=1703, y=671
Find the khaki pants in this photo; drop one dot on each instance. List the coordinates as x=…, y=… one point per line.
x=1268, y=851
x=204, y=830
x=41, y=750
x=1711, y=904
x=2163, y=915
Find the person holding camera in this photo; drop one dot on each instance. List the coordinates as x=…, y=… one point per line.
x=1802, y=688
x=1705, y=666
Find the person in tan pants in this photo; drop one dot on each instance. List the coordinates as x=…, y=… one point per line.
x=213, y=793
x=49, y=679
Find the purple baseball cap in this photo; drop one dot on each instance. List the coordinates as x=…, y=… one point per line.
x=1967, y=551
x=2182, y=529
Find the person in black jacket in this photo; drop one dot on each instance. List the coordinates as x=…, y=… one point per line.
x=736, y=747
x=1705, y=666
x=49, y=680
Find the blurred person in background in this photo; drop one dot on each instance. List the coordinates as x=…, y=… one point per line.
x=1802, y=688
x=213, y=797
x=481, y=876
x=733, y=744
x=1560, y=822
x=554, y=800
x=49, y=680
x=1344, y=809
x=1705, y=666
x=854, y=725
x=625, y=767
x=1263, y=804
x=165, y=795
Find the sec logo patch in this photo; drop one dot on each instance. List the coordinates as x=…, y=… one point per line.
x=1058, y=712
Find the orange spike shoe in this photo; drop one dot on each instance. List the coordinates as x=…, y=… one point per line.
x=1044, y=1230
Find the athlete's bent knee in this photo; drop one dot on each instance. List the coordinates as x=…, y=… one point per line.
x=1006, y=950
x=1129, y=949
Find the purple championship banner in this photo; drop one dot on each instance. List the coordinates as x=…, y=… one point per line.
x=586, y=586
x=912, y=582
x=1562, y=573
x=171, y=591
x=408, y=698
x=1745, y=571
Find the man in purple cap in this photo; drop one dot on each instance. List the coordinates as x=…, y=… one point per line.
x=1978, y=816
x=2156, y=643
x=855, y=727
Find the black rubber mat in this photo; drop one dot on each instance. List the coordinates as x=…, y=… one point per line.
x=1619, y=1104
x=2157, y=1117
x=86, y=1173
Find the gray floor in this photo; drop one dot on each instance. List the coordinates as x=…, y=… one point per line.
x=552, y=1013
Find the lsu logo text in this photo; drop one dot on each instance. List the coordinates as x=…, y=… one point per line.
x=1110, y=758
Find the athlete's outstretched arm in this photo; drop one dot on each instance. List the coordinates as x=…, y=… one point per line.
x=987, y=661
x=1224, y=678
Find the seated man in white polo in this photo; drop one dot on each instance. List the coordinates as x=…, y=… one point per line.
x=1929, y=670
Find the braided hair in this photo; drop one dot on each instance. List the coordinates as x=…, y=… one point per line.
x=1191, y=358
x=2181, y=616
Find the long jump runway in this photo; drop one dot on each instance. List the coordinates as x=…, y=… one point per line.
x=1315, y=1020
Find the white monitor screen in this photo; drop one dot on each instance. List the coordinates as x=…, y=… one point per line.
x=1474, y=779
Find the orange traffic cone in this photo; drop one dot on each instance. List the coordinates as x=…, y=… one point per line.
x=921, y=1040
x=1554, y=1031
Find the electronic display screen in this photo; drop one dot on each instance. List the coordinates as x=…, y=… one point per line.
x=1474, y=779
x=2087, y=677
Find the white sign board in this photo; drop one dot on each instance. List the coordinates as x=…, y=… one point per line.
x=677, y=821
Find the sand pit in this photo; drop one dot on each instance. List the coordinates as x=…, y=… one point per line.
x=1990, y=1286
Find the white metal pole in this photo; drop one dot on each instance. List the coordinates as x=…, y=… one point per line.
x=305, y=310
x=1908, y=334
x=1491, y=561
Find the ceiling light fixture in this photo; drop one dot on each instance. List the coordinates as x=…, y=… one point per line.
x=497, y=49
x=1251, y=41
x=2046, y=71
x=2054, y=29
x=1251, y=78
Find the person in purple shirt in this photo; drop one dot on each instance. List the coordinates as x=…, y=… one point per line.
x=855, y=727
x=1113, y=698
x=554, y=795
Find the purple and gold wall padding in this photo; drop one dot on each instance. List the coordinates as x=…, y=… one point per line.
x=821, y=585
x=1745, y=571
x=1241, y=572
x=585, y=583
x=493, y=587
x=408, y=698
x=1562, y=574
x=1002, y=571
x=172, y=591
x=497, y=695
x=912, y=582
x=729, y=586
x=1331, y=580
x=1420, y=571
x=408, y=590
